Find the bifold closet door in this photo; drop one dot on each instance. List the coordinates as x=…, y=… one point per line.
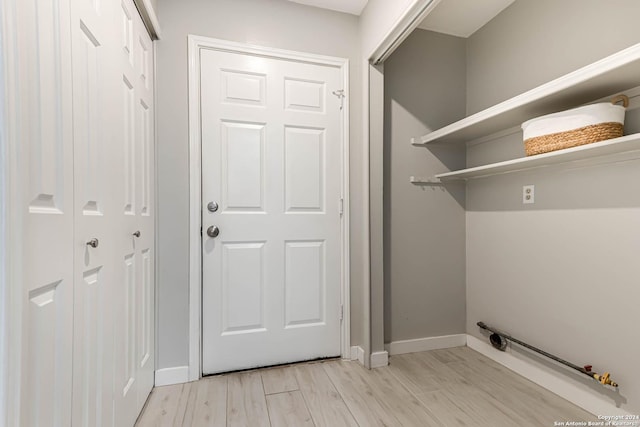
x=144, y=164
x=46, y=193
x=86, y=165
x=97, y=192
x=134, y=319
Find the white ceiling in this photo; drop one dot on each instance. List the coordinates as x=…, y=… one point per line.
x=459, y=18
x=462, y=18
x=353, y=7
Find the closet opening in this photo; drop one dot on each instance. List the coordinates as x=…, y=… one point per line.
x=449, y=172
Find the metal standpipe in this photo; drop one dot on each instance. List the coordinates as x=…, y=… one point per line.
x=499, y=340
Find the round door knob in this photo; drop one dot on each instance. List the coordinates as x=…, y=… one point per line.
x=137, y=233
x=212, y=206
x=93, y=243
x=213, y=231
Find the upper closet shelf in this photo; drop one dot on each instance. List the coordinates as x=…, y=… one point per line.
x=590, y=151
x=606, y=77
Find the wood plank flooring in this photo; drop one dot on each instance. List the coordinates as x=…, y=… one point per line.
x=441, y=388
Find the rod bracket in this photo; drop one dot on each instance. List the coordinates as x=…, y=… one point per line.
x=425, y=181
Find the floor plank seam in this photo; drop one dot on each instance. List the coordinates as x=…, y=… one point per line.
x=226, y=407
x=279, y=392
x=264, y=396
x=340, y=394
x=306, y=404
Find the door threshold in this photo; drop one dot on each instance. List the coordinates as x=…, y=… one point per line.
x=277, y=366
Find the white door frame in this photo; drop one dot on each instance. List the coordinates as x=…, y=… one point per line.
x=196, y=44
x=373, y=126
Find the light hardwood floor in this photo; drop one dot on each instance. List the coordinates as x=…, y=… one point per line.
x=451, y=387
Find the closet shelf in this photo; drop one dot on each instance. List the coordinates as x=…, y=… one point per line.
x=606, y=77
x=623, y=144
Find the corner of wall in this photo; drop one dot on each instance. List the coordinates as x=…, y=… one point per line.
x=170, y=376
x=357, y=354
x=379, y=359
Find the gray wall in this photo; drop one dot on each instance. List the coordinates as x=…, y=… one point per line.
x=274, y=23
x=534, y=41
x=424, y=235
x=563, y=273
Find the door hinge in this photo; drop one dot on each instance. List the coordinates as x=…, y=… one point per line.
x=341, y=312
x=341, y=95
x=341, y=206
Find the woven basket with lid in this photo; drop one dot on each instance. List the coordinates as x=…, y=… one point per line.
x=579, y=126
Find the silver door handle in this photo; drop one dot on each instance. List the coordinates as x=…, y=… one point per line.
x=213, y=231
x=137, y=233
x=93, y=243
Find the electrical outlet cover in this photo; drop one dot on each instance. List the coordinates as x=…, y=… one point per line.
x=528, y=194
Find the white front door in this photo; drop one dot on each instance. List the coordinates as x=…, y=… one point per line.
x=271, y=161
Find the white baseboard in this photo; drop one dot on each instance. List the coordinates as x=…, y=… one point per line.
x=573, y=392
x=379, y=359
x=426, y=344
x=354, y=352
x=169, y=376
x=357, y=353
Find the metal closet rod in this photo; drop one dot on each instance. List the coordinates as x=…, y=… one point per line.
x=497, y=338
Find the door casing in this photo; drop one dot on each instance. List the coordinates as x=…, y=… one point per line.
x=197, y=43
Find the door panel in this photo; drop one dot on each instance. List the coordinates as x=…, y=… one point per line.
x=134, y=306
x=243, y=287
x=47, y=387
x=144, y=219
x=304, y=169
x=96, y=169
x=271, y=153
x=146, y=309
x=304, y=95
x=243, y=88
x=125, y=359
x=92, y=400
x=243, y=166
x=129, y=145
x=46, y=169
x=144, y=146
x=127, y=303
x=305, y=285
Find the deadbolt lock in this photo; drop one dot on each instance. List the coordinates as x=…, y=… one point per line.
x=212, y=207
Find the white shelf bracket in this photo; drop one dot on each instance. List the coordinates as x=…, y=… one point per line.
x=425, y=181
x=416, y=143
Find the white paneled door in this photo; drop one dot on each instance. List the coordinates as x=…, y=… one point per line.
x=85, y=126
x=46, y=172
x=134, y=312
x=93, y=54
x=271, y=200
